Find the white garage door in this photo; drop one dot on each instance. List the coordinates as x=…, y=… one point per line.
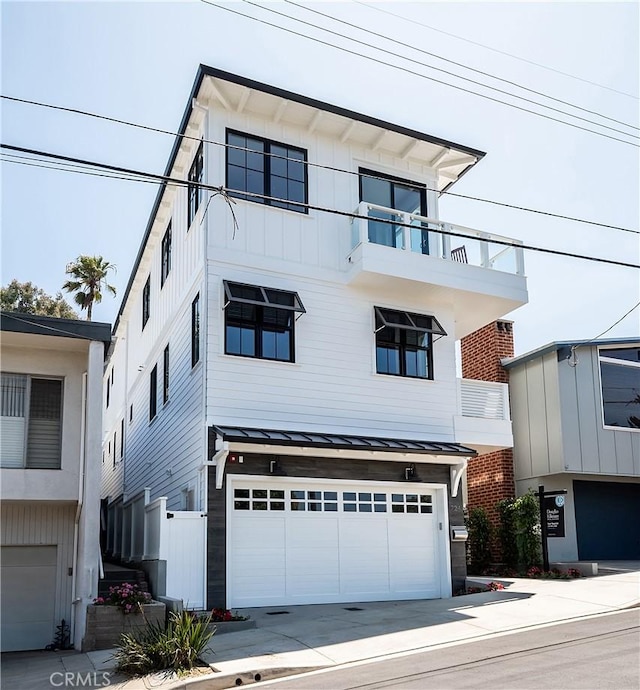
x=301, y=542
x=27, y=596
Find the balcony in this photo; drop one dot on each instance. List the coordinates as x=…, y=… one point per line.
x=471, y=271
x=483, y=420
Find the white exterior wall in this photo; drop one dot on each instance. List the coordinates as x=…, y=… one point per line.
x=558, y=421
x=49, y=485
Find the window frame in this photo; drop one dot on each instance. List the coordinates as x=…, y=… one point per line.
x=258, y=324
x=403, y=347
x=195, y=330
x=153, y=393
x=146, y=302
x=165, y=256
x=619, y=362
x=302, y=206
x=195, y=180
x=121, y=439
x=27, y=411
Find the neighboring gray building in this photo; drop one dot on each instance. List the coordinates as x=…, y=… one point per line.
x=576, y=426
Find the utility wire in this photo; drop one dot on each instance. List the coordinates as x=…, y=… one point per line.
x=472, y=69
x=220, y=189
x=573, y=360
x=410, y=71
x=495, y=50
x=320, y=166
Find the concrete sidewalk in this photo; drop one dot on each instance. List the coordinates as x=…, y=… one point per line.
x=319, y=636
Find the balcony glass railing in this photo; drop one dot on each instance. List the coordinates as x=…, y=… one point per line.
x=418, y=234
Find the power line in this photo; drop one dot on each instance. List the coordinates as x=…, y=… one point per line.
x=467, y=67
x=495, y=50
x=320, y=166
x=410, y=71
x=165, y=179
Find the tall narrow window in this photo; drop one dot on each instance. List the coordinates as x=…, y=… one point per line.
x=115, y=446
x=122, y=438
x=31, y=422
x=400, y=195
x=195, y=331
x=108, y=391
x=146, y=302
x=153, y=393
x=404, y=343
x=165, y=376
x=194, y=190
x=166, y=255
x=267, y=169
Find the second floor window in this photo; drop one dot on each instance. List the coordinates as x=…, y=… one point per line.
x=165, y=266
x=195, y=331
x=30, y=422
x=194, y=190
x=267, y=169
x=259, y=322
x=398, y=194
x=620, y=379
x=404, y=343
x=153, y=393
x=146, y=302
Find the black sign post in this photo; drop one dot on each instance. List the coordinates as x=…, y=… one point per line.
x=551, y=519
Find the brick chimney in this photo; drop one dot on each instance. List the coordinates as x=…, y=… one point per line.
x=490, y=476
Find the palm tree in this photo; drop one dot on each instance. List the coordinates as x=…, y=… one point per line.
x=89, y=277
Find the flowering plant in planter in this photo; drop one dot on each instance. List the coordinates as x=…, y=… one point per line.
x=129, y=598
x=223, y=615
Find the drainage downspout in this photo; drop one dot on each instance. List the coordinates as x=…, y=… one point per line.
x=76, y=525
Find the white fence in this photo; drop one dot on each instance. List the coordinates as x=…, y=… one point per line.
x=484, y=399
x=144, y=530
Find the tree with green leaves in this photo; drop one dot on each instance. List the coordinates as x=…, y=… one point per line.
x=88, y=279
x=28, y=298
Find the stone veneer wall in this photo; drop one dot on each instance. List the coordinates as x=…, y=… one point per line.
x=105, y=624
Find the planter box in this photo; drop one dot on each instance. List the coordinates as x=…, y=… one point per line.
x=105, y=624
x=232, y=626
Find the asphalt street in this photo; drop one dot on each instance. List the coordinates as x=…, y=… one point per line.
x=599, y=652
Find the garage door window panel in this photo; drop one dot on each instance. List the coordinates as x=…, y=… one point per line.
x=258, y=499
x=31, y=422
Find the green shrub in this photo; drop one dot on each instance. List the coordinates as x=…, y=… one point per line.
x=519, y=531
x=507, y=532
x=155, y=648
x=479, y=542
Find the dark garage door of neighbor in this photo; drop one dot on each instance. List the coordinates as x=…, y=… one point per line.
x=607, y=520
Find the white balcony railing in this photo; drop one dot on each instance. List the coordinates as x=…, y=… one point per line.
x=483, y=399
x=424, y=235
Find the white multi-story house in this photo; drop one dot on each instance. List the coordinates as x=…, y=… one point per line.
x=51, y=429
x=576, y=426
x=290, y=379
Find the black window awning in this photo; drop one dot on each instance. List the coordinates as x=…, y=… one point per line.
x=314, y=439
x=391, y=318
x=261, y=296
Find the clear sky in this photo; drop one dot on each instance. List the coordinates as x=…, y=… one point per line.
x=137, y=61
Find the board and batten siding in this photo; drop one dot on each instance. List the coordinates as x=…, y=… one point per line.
x=332, y=385
x=558, y=423
x=36, y=523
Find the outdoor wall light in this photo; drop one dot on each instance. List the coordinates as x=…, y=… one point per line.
x=275, y=468
x=410, y=474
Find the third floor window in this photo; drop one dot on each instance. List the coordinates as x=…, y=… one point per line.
x=165, y=266
x=267, y=169
x=194, y=190
x=146, y=302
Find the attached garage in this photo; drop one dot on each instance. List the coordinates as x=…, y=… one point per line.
x=27, y=596
x=607, y=520
x=294, y=541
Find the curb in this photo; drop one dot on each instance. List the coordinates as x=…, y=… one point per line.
x=221, y=681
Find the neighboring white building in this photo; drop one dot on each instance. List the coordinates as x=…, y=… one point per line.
x=292, y=379
x=51, y=428
x=576, y=426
